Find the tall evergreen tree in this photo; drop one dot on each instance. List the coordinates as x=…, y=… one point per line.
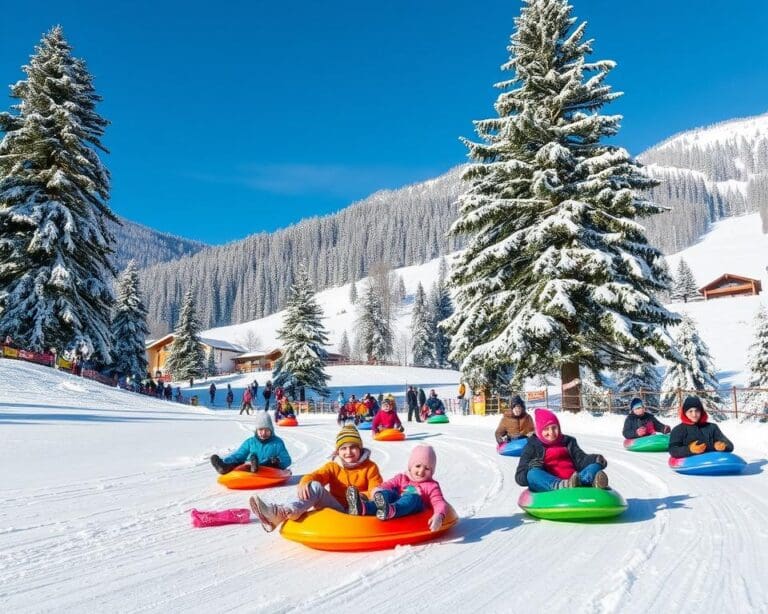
x=186, y=358
x=557, y=273
x=210, y=365
x=374, y=332
x=639, y=380
x=353, y=293
x=758, y=366
x=695, y=373
x=344, y=348
x=303, y=339
x=129, y=327
x=422, y=344
x=684, y=285
x=55, y=274
x=440, y=309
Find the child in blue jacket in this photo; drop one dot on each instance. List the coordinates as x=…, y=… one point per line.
x=264, y=448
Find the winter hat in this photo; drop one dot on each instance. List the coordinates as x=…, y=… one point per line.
x=517, y=400
x=348, y=434
x=635, y=403
x=423, y=454
x=543, y=418
x=693, y=402
x=263, y=421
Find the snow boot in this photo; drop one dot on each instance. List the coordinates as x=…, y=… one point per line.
x=270, y=514
x=601, y=480
x=384, y=510
x=355, y=503
x=220, y=466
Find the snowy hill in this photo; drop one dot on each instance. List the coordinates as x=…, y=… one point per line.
x=735, y=245
x=98, y=483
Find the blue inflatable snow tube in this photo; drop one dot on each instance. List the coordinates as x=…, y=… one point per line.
x=513, y=447
x=365, y=426
x=709, y=463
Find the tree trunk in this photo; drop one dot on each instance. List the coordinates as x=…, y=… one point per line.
x=571, y=387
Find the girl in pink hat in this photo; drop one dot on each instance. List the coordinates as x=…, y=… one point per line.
x=552, y=460
x=406, y=493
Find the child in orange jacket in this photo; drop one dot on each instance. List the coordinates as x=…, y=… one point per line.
x=351, y=466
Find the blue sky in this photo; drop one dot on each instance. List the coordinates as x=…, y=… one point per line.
x=247, y=116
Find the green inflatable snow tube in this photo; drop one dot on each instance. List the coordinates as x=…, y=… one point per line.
x=658, y=442
x=438, y=419
x=583, y=503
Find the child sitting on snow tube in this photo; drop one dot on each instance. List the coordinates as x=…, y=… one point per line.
x=695, y=434
x=639, y=423
x=406, y=493
x=284, y=409
x=264, y=448
x=387, y=418
x=351, y=466
x=551, y=460
x=515, y=424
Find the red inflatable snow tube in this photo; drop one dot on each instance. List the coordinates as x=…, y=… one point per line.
x=288, y=422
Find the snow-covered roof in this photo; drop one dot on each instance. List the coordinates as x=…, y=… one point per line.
x=209, y=341
x=258, y=353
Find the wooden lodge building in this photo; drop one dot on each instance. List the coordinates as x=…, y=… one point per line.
x=731, y=285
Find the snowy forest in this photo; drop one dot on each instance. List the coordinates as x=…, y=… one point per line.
x=146, y=246
x=248, y=279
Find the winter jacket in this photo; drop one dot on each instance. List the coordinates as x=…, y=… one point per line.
x=534, y=453
x=702, y=431
x=413, y=402
x=435, y=406
x=422, y=397
x=462, y=390
x=386, y=420
x=247, y=395
x=337, y=475
x=267, y=392
x=514, y=428
x=263, y=450
x=429, y=490
x=651, y=424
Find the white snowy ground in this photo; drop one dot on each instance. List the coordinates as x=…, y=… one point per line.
x=97, y=483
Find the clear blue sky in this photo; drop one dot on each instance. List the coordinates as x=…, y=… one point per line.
x=236, y=117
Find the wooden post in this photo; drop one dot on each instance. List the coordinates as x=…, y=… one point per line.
x=735, y=404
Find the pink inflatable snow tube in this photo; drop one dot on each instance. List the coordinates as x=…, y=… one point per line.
x=202, y=518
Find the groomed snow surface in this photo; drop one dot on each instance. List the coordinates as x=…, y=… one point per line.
x=97, y=485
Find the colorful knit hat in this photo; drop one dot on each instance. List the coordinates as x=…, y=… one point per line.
x=543, y=418
x=348, y=434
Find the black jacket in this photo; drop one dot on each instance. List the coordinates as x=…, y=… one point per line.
x=534, y=451
x=684, y=434
x=412, y=400
x=422, y=397
x=633, y=422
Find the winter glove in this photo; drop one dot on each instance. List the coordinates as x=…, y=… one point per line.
x=274, y=461
x=504, y=439
x=720, y=446
x=667, y=430
x=401, y=428
x=697, y=448
x=600, y=460
x=641, y=431
x=435, y=522
x=535, y=463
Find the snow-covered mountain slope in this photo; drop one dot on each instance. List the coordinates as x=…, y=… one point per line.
x=735, y=245
x=747, y=128
x=98, y=483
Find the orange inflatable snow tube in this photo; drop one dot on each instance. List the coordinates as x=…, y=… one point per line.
x=288, y=422
x=241, y=478
x=389, y=435
x=328, y=529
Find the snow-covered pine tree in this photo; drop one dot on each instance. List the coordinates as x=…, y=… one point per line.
x=303, y=339
x=684, y=285
x=423, y=344
x=758, y=365
x=440, y=309
x=55, y=273
x=401, y=288
x=186, y=358
x=639, y=381
x=210, y=365
x=129, y=327
x=353, y=293
x=557, y=274
x=373, y=329
x=344, y=348
x=695, y=373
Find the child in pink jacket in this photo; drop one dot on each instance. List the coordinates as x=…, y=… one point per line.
x=406, y=493
x=387, y=418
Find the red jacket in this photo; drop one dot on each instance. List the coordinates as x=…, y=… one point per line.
x=386, y=420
